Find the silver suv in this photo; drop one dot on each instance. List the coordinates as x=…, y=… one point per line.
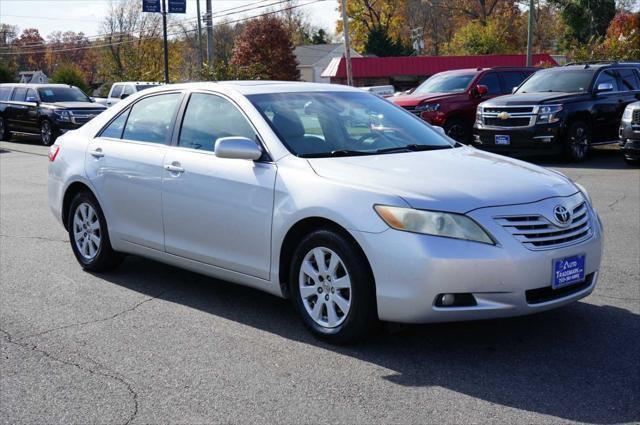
x=124, y=89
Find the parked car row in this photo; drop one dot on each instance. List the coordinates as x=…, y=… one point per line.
x=557, y=111
x=50, y=110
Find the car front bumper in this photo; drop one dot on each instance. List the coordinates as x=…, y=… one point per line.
x=508, y=279
x=539, y=139
x=630, y=140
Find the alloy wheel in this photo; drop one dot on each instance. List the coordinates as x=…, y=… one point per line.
x=46, y=133
x=325, y=287
x=86, y=231
x=579, y=143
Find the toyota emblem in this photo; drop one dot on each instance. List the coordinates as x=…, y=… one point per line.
x=562, y=214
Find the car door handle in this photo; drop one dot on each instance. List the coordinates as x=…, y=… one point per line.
x=97, y=153
x=174, y=168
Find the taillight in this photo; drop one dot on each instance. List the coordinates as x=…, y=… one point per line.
x=53, y=152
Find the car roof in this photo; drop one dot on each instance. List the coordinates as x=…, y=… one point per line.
x=35, y=86
x=259, y=87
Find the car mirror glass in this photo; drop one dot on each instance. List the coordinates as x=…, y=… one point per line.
x=604, y=87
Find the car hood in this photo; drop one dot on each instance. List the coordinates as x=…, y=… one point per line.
x=77, y=105
x=533, y=98
x=456, y=180
x=416, y=99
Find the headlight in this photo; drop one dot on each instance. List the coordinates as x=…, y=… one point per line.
x=428, y=107
x=584, y=192
x=549, y=113
x=62, y=115
x=434, y=223
x=628, y=113
x=479, y=116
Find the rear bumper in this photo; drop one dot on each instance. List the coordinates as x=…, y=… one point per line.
x=540, y=139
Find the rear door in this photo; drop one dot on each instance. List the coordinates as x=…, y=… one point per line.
x=15, y=109
x=629, y=83
x=125, y=165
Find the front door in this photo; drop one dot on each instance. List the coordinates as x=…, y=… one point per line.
x=606, y=105
x=217, y=211
x=125, y=166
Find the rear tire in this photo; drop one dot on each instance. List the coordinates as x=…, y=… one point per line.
x=332, y=287
x=577, y=141
x=458, y=129
x=89, y=235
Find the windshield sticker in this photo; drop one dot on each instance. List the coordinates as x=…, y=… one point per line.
x=48, y=92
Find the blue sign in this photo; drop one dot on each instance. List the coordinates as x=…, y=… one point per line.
x=568, y=271
x=177, y=6
x=151, y=6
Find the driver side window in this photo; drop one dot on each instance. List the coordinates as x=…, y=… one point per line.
x=608, y=76
x=209, y=117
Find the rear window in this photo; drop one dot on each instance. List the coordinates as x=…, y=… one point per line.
x=19, y=94
x=5, y=93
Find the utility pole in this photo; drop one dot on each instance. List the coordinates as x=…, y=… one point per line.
x=347, y=46
x=530, y=34
x=209, y=35
x=199, y=33
x=166, y=43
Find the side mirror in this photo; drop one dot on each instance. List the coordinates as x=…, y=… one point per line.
x=124, y=95
x=237, y=148
x=439, y=130
x=92, y=99
x=604, y=87
x=513, y=90
x=482, y=90
x=31, y=99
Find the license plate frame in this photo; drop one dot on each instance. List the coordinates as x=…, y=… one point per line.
x=502, y=139
x=568, y=271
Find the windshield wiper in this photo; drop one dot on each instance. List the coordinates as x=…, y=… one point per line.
x=336, y=153
x=413, y=148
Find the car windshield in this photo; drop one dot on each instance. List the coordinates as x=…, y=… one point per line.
x=445, y=83
x=322, y=124
x=62, y=94
x=558, y=80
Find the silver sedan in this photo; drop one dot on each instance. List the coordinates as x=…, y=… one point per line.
x=352, y=207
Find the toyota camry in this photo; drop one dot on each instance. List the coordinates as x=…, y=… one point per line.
x=350, y=206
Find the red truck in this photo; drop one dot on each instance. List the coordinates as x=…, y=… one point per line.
x=449, y=99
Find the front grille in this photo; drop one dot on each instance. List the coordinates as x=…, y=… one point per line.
x=537, y=232
x=515, y=110
x=509, y=122
x=635, y=118
x=82, y=116
x=547, y=293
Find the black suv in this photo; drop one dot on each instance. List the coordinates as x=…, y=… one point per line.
x=44, y=109
x=560, y=110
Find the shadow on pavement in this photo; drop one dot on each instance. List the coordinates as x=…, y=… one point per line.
x=579, y=363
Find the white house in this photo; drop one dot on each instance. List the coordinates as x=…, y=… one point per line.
x=33, y=77
x=313, y=59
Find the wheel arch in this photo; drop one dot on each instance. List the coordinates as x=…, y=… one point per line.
x=294, y=236
x=70, y=192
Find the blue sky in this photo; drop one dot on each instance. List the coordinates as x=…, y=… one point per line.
x=87, y=15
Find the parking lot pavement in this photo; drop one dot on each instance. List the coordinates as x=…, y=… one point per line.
x=149, y=343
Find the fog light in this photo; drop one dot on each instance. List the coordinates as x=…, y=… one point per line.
x=447, y=299
x=476, y=138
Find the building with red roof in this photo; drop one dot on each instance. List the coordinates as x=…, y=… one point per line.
x=408, y=71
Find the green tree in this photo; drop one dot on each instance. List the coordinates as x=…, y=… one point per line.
x=379, y=43
x=585, y=19
x=319, y=37
x=477, y=39
x=70, y=74
x=6, y=74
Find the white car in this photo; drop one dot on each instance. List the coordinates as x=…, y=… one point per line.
x=347, y=204
x=123, y=89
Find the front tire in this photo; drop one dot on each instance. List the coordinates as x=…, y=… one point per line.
x=458, y=130
x=4, y=132
x=89, y=235
x=332, y=287
x=578, y=141
x=48, y=133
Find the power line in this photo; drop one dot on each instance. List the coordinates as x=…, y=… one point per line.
x=154, y=38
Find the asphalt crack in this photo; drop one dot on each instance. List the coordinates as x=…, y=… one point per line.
x=112, y=375
x=40, y=238
x=102, y=319
x=614, y=203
